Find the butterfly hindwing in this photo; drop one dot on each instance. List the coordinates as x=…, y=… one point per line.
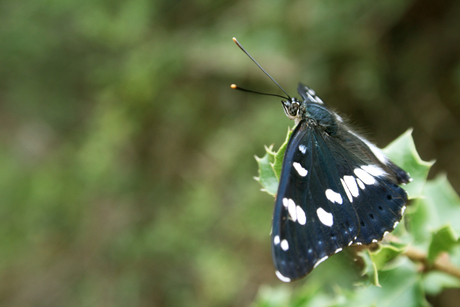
x=330, y=197
x=371, y=186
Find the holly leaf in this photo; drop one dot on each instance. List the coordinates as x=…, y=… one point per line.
x=442, y=240
x=403, y=153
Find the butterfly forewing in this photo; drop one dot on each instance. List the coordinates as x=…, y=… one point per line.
x=308, y=176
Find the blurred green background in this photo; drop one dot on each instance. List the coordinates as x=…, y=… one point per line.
x=126, y=161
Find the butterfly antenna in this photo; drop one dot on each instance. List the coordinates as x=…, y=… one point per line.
x=247, y=53
x=235, y=87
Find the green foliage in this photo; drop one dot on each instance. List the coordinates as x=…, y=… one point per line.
x=270, y=167
x=391, y=274
x=444, y=239
x=402, y=152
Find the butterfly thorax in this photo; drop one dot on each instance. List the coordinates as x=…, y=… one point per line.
x=323, y=117
x=315, y=114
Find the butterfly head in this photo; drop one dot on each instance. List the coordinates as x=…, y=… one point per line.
x=293, y=109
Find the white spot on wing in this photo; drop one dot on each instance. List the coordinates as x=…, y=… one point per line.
x=319, y=261
x=395, y=224
x=334, y=197
x=350, y=243
x=360, y=184
x=338, y=250
x=364, y=176
x=310, y=96
x=301, y=217
x=403, y=209
x=285, y=202
x=375, y=150
x=303, y=149
x=292, y=210
x=284, y=245
x=351, y=184
x=325, y=217
x=350, y=198
x=281, y=277
x=374, y=170
x=276, y=240
x=374, y=241
x=302, y=171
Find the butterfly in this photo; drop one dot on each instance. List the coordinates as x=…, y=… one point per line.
x=336, y=189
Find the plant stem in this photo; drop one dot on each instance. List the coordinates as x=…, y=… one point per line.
x=440, y=264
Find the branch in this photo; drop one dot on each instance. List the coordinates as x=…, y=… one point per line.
x=441, y=264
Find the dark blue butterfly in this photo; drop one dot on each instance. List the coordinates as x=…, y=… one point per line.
x=336, y=188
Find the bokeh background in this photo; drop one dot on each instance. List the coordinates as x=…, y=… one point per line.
x=126, y=161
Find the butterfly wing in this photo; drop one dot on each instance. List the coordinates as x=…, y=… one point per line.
x=329, y=197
